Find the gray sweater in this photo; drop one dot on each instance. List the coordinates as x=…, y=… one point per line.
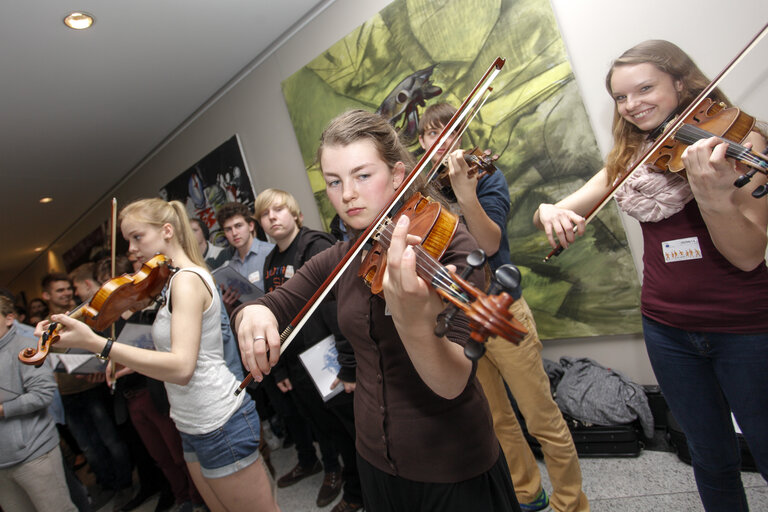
x=27, y=430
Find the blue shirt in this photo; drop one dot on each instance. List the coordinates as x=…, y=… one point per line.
x=493, y=195
x=252, y=268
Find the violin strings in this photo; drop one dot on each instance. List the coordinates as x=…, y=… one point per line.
x=439, y=275
x=689, y=134
x=429, y=266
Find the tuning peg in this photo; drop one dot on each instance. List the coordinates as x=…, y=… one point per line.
x=506, y=278
x=760, y=191
x=475, y=260
x=474, y=350
x=745, y=178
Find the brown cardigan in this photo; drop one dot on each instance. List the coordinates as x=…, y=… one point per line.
x=403, y=427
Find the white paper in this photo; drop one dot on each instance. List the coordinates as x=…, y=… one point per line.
x=80, y=363
x=322, y=364
x=138, y=335
x=735, y=425
x=227, y=277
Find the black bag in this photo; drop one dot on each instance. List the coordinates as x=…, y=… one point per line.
x=597, y=440
x=593, y=440
x=677, y=440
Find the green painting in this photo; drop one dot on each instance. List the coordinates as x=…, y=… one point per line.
x=417, y=52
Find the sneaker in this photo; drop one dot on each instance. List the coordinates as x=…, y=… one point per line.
x=345, y=506
x=100, y=497
x=298, y=474
x=330, y=489
x=540, y=503
x=271, y=439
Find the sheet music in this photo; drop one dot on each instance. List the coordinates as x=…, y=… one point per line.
x=322, y=364
x=227, y=276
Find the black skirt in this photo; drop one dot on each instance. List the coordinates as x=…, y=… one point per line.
x=491, y=491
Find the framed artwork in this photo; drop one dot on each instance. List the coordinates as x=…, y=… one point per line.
x=219, y=177
x=417, y=52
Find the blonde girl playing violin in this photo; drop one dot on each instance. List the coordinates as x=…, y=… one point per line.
x=424, y=431
x=220, y=432
x=705, y=283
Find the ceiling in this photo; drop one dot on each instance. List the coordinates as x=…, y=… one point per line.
x=80, y=109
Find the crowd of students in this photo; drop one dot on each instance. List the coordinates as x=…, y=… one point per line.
x=419, y=425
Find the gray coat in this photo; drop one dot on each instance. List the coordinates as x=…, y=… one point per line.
x=27, y=430
x=595, y=394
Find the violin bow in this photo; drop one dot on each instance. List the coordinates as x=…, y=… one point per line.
x=113, y=249
x=467, y=111
x=669, y=131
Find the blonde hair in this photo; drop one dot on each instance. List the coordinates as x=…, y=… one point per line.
x=270, y=196
x=158, y=212
x=667, y=58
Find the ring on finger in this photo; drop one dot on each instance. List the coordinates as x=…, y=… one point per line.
x=257, y=338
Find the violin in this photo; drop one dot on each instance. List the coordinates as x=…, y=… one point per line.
x=488, y=314
x=115, y=296
x=689, y=134
x=480, y=165
x=710, y=117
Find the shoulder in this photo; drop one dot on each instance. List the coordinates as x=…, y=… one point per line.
x=195, y=280
x=492, y=188
x=312, y=237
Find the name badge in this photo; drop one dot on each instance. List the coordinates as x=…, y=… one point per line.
x=289, y=271
x=681, y=250
x=254, y=277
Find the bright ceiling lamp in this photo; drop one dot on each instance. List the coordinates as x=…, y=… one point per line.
x=78, y=20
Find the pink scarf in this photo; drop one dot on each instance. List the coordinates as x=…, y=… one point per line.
x=651, y=196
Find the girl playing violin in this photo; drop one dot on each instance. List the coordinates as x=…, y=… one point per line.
x=220, y=431
x=424, y=432
x=705, y=284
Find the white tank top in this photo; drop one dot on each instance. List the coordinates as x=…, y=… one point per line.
x=208, y=399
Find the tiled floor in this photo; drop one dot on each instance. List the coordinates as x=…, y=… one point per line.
x=654, y=481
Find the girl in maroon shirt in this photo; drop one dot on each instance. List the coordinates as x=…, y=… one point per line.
x=705, y=282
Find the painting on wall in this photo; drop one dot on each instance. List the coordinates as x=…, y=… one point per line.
x=219, y=177
x=417, y=52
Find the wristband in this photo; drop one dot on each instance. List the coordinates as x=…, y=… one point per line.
x=105, y=353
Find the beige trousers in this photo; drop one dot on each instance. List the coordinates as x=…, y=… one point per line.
x=522, y=369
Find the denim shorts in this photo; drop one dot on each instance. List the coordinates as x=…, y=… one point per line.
x=229, y=448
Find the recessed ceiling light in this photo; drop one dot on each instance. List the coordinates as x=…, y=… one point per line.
x=45, y=200
x=78, y=20
x=39, y=249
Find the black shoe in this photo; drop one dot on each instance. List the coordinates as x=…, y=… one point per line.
x=298, y=474
x=330, y=489
x=345, y=506
x=143, y=495
x=165, y=501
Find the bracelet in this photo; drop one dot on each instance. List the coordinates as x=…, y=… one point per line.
x=105, y=353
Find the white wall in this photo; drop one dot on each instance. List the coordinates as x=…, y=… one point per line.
x=255, y=109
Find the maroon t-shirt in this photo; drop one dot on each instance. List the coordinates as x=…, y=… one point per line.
x=704, y=293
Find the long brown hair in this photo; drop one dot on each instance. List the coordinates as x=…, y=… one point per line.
x=670, y=59
x=355, y=125
x=158, y=212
